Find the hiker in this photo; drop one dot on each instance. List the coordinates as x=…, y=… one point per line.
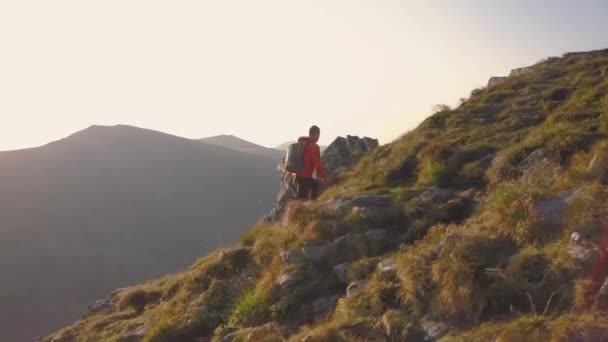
x=307, y=185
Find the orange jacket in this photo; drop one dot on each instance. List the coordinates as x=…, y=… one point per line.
x=312, y=160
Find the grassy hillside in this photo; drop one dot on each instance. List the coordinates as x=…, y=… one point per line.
x=461, y=230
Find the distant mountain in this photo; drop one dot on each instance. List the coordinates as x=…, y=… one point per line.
x=112, y=206
x=238, y=144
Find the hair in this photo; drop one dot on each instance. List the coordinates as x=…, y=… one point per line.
x=314, y=130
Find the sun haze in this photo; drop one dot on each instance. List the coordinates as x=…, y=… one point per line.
x=265, y=70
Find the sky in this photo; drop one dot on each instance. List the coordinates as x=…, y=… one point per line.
x=266, y=70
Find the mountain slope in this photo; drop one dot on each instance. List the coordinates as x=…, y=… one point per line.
x=238, y=144
x=486, y=223
x=112, y=206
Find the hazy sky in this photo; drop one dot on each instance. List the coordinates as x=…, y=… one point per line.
x=265, y=70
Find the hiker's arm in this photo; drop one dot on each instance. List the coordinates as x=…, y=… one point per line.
x=317, y=162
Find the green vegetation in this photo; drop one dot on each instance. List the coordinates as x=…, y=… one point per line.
x=490, y=264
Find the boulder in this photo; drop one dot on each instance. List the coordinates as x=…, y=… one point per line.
x=324, y=305
x=551, y=209
x=317, y=253
x=343, y=153
x=341, y=272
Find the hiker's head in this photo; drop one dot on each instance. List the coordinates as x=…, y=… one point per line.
x=314, y=133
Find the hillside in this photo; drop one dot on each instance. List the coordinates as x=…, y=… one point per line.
x=113, y=206
x=236, y=143
x=486, y=223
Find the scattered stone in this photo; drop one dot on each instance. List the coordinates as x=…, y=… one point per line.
x=345, y=205
x=341, y=272
x=316, y=253
x=353, y=289
x=434, y=194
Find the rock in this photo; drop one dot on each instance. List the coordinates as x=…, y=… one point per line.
x=324, y=305
x=352, y=289
x=137, y=333
x=343, y=153
x=291, y=257
x=433, y=329
x=450, y=238
x=434, y=194
x=468, y=194
x=376, y=234
x=584, y=252
x=102, y=306
x=377, y=240
x=551, y=209
x=496, y=80
x=341, y=272
x=289, y=279
x=316, y=253
x=387, y=265
x=237, y=256
x=362, y=203
x=520, y=71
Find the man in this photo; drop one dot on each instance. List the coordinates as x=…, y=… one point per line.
x=308, y=187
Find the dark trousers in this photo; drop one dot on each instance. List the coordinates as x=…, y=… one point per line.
x=308, y=188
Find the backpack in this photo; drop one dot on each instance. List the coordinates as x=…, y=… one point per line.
x=294, y=159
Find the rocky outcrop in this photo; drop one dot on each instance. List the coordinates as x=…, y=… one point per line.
x=338, y=157
x=494, y=80
x=344, y=153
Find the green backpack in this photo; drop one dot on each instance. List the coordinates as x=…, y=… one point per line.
x=294, y=160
